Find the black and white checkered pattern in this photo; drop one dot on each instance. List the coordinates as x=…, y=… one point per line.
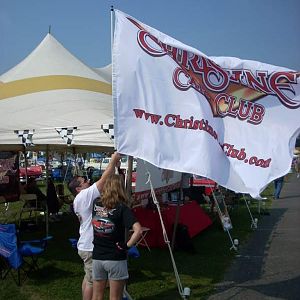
x=26, y=136
x=109, y=130
x=66, y=134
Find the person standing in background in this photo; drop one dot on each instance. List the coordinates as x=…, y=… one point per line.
x=278, y=183
x=297, y=166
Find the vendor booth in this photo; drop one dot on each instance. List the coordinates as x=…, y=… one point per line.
x=190, y=214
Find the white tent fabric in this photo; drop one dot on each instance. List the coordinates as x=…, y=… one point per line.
x=52, y=89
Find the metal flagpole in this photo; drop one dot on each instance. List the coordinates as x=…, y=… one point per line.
x=128, y=178
x=111, y=28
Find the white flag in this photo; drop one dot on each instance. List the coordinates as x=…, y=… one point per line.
x=233, y=121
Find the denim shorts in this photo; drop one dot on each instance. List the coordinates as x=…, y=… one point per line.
x=110, y=269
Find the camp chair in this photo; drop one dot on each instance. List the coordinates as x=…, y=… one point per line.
x=17, y=257
x=73, y=242
x=142, y=241
x=31, y=205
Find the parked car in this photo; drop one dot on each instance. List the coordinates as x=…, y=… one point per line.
x=57, y=174
x=105, y=161
x=32, y=171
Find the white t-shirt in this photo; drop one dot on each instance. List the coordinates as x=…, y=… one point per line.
x=83, y=207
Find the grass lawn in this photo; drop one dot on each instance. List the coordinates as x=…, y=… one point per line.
x=151, y=276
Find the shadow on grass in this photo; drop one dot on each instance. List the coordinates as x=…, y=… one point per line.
x=151, y=275
x=49, y=272
x=249, y=262
x=153, y=271
x=203, y=269
x=59, y=247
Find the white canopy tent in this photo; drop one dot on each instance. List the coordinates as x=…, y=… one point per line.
x=52, y=89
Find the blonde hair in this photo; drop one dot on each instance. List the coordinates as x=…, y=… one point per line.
x=113, y=192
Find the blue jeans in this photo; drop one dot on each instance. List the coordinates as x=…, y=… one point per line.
x=278, y=183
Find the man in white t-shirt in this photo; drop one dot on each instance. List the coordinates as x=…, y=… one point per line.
x=85, y=194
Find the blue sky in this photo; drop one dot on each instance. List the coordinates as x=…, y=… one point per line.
x=263, y=30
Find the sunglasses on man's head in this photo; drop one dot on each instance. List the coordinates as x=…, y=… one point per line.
x=85, y=179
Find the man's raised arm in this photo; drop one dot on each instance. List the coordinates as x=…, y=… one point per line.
x=108, y=171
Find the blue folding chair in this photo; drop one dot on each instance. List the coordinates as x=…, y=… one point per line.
x=73, y=242
x=18, y=256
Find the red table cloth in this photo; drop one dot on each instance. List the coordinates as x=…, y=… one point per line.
x=190, y=214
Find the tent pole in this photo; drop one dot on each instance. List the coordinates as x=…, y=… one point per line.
x=76, y=166
x=128, y=182
x=67, y=169
x=25, y=165
x=47, y=182
x=177, y=214
x=47, y=163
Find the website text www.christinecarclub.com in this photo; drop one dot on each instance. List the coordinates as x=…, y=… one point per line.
x=175, y=121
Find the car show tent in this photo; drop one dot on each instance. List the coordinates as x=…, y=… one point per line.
x=52, y=100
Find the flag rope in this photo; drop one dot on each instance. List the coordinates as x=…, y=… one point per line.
x=226, y=229
x=166, y=239
x=253, y=221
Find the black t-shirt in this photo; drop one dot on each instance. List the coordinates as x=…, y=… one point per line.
x=109, y=228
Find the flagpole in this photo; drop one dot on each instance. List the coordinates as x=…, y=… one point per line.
x=127, y=182
x=111, y=28
x=112, y=15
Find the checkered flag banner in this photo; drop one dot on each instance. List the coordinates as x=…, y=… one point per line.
x=109, y=130
x=66, y=134
x=26, y=136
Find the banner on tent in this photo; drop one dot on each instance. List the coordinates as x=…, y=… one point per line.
x=163, y=181
x=66, y=133
x=218, y=117
x=109, y=130
x=9, y=175
x=26, y=137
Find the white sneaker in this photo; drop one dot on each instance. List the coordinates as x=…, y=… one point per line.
x=298, y=175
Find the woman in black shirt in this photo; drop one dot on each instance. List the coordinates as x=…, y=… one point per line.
x=111, y=216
